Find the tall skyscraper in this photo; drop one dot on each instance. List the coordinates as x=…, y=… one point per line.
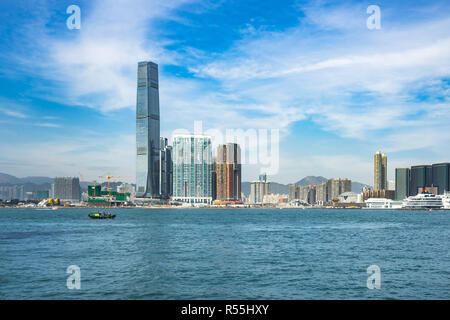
x=421, y=177
x=192, y=168
x=228, y=172
x=402, y=177
x=147, y=131
x=441, y=176
x=380, y=172
x=166, y=169
x=433, y=177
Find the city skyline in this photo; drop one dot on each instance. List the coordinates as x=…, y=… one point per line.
x=69, y=106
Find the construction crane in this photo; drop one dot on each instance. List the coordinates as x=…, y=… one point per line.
x=86, y=186
x=108, y=177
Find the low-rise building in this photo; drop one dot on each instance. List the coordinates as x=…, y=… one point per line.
x=383, y=203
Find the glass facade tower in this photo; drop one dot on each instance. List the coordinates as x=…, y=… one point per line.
x=192, y=168
x=402, y=178
x=441, y=177
x=421, y=177
x=147, y=131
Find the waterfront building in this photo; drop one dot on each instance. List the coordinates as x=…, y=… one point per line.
x=383, y=203
x=214, y=181
x=67, y=189
x=322, y=191
x=380, y=171
x=388, y=194
x=258, y=189
x=16, y=192
x=228, y=172
x=337, y=186
x=147, y=131
x=307, y=194
x=350, y=197
x=275, y=199
x=421, y=177
x=293, y=192
x=166, y=169
x=441, y=177
x=402, y=177
x=192, y=168
x=412, y=181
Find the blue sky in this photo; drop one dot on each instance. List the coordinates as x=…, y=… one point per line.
x=336, y=91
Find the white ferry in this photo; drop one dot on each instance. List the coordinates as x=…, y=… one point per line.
x=424, y=200
x=446, y=200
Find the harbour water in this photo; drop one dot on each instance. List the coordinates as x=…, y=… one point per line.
x=225, y=254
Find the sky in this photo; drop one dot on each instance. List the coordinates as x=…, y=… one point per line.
x=333, y=89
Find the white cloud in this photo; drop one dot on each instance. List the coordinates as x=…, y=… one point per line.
x=63, y=155
x=349, y=80
x=12, y=109
x=96, y=65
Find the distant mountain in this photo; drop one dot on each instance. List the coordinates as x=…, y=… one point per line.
x=8, y=179
x=306, y=181
x=37, y=180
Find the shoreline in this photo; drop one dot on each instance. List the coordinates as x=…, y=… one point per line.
x=228, y=208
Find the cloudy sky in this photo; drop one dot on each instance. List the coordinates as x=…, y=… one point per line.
x=336, y=90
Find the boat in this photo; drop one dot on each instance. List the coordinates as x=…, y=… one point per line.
x=424, y=200
x=101, y=215
x=55, y=208
x=446, y=200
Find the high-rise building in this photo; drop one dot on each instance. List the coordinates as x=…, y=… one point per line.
x=307, y=194
x=441, y=176
x=228, y=172
x=258, y=189
x=293, y=192
x=322, y=191
x=192, y=168
x=421, y=177
x=380, y=171
x=67, y=189
x=166, y=169
x=147, y=131
x=337, y=186
x=214, y=180
x=402, y=177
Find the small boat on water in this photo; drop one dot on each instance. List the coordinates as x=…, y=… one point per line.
x=101, y=215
